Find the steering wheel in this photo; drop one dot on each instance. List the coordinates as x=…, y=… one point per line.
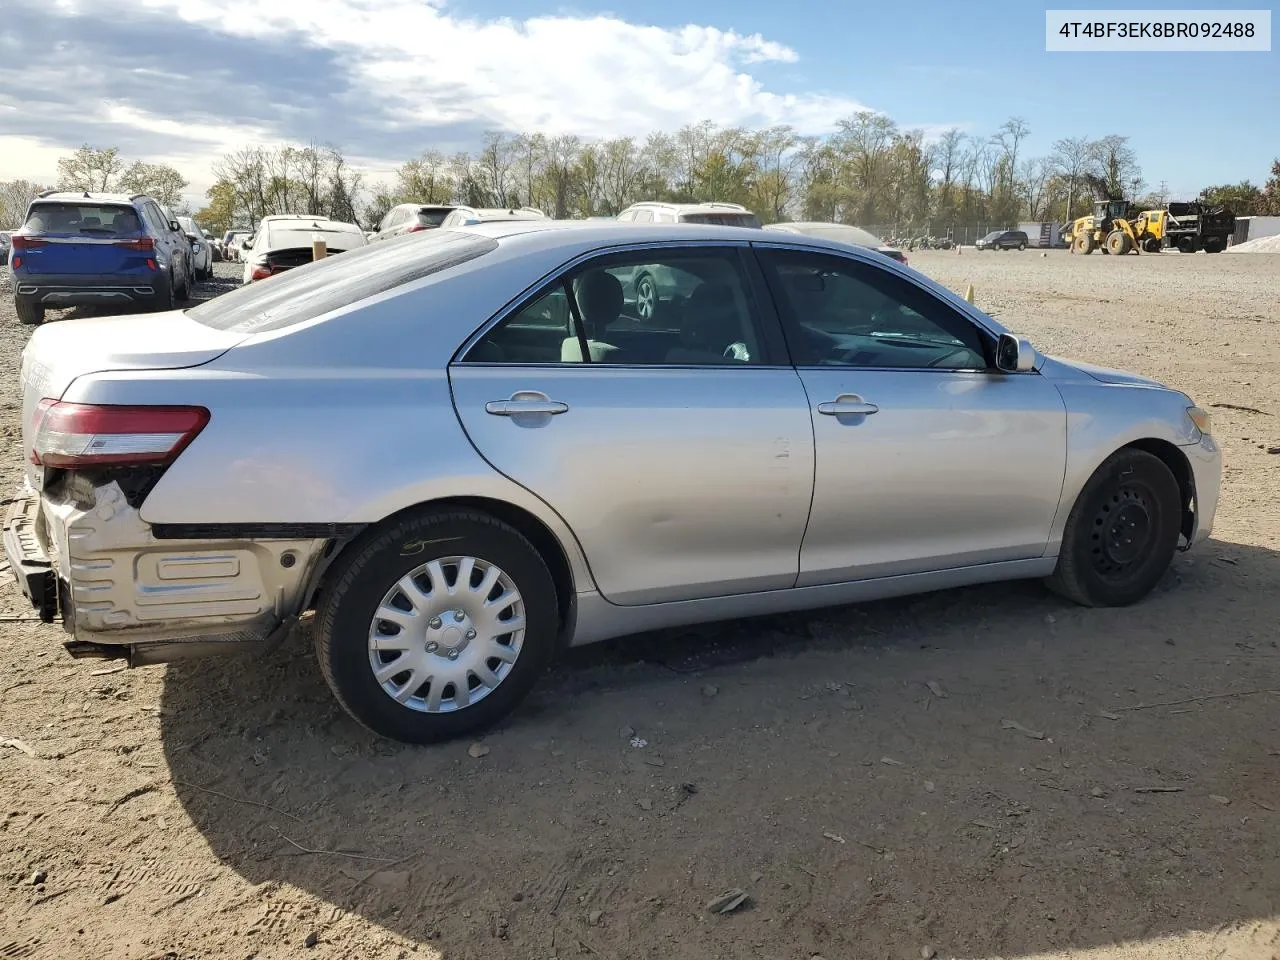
x=737, y=351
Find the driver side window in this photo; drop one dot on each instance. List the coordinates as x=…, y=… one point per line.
x=842, y=312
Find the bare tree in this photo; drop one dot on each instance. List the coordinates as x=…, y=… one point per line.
x=91, y=169
x=15, y=197
x=1072, y=157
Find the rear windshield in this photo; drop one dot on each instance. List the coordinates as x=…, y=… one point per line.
x=87, y=219
x=313, y=289
x=432, y=218
x=285, y=238
x=723, y=219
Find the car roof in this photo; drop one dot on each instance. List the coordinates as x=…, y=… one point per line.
x=686, y=207
x=504, y=213
x=554, y=233
x=832, y=231
x=71, y=196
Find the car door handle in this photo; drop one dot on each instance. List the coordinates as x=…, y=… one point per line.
x=849, y=405
x=525, y=402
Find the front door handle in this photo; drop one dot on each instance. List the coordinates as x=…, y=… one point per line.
x=849, y=405
x=525, y=402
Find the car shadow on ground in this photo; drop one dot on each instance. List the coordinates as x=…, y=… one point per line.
x=989, y=770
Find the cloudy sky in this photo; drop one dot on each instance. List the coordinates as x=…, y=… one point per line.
x=181, y=81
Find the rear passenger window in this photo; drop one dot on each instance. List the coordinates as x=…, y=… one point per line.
x=644, y=216
x=681, y=307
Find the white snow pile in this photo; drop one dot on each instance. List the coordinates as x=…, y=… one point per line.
x=1260, y=245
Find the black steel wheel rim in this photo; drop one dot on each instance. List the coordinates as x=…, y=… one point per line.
x=1124, y=528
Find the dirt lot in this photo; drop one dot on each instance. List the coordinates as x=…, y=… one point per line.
x=850, y=769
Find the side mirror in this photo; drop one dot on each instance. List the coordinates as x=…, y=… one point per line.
x=195, y=246
x=175, y=226
x=1015, y=354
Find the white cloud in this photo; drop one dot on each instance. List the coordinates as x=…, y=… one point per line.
x=408, y=71
x=590, y=75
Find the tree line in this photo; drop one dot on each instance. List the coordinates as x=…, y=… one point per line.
x=868, y=170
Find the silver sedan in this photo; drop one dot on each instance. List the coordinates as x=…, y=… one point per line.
x=460, y=450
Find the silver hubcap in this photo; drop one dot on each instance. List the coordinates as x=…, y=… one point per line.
x=646, y=294
x=446, y=634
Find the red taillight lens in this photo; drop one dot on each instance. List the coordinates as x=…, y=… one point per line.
x=141, y=243
x=78, y=435
x=26, y=243
x=17, y=262
x=260, y=272
x=416, y=227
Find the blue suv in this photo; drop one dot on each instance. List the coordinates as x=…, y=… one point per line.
x=103, y=249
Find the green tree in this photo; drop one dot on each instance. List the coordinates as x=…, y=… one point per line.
x=1271, y=192
x=1243, y=198
x=219, y=215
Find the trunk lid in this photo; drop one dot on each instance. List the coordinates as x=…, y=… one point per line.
x=58, y=353
x=83, y=237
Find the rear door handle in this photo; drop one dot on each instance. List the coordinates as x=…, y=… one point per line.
x=525, y=402
x=847, y=404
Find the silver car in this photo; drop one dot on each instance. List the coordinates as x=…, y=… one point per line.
x=459, y=451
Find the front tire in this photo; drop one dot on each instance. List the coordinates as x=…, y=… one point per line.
x=29, y=312
x=1118, y=243
x=1121, y=534
x=438, y=625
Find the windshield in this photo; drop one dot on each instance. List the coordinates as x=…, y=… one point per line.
x=723, y=219
x=993, y=234
x=316, y=288
x=281, y=238
x=87, y=219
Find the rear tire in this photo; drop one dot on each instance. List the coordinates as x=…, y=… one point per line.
x=1082, y=244
x=1214, y=246
x=29, y=312
x=163, y=299
x=1151, y=245
x=1121, y=534
x=1022, y=246
x=424, y=632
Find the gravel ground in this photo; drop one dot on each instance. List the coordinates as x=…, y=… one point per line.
x=850, y=770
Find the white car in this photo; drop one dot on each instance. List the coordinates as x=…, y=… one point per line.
x=201, y=251
x=231, y=244
x=284, y=241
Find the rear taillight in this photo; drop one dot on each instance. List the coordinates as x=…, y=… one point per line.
x=27, y=243
x=80, y=435
x=260, y=272
x=416, y=227
x=140, y=243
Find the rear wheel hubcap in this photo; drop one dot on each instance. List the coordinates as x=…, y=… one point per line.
x=447, y=634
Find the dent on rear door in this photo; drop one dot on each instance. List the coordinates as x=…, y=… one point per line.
x=678, y=483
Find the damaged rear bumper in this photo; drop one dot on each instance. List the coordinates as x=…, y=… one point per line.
x=122, y=593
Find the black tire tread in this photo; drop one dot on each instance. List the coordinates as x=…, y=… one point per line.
x=1067, y=580
x=348, y=568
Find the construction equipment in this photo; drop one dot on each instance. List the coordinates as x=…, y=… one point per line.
x=1197, y=226
x=1117, y=227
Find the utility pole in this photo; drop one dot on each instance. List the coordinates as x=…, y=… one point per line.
x=1164, y=192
